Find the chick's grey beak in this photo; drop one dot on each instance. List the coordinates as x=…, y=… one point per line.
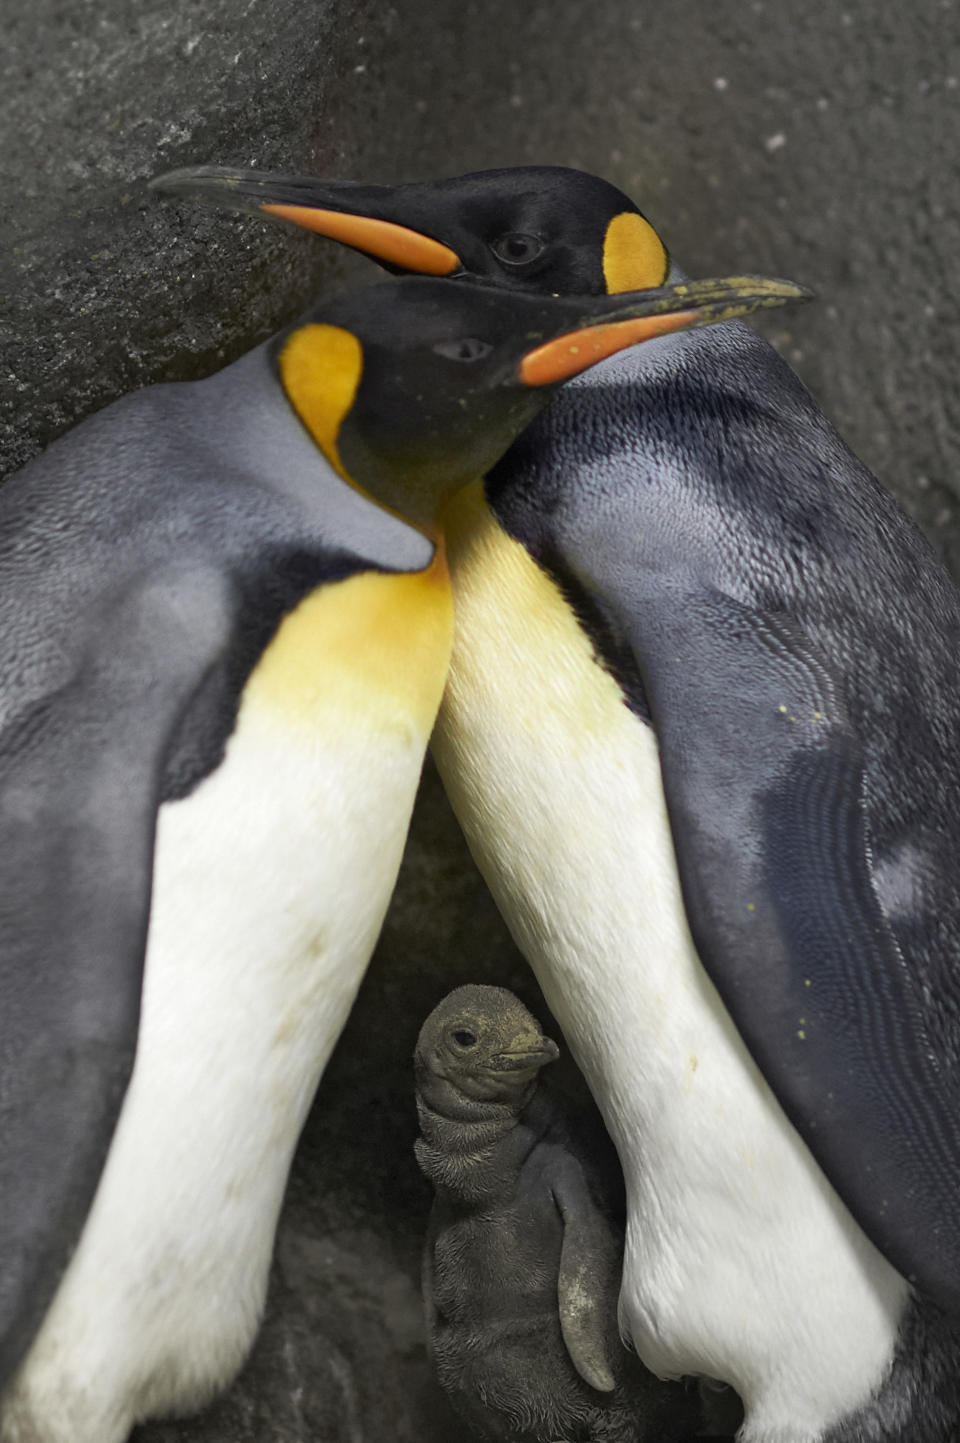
x=520, y=1059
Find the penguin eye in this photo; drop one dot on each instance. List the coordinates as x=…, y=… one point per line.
x=467, y=349
x=463, y=1038
x=516, y=248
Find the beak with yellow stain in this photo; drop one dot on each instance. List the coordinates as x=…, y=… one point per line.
x=661, y=312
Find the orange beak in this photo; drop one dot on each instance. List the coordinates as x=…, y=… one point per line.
x=343, y=211
x=396, y=245
x=569, y=355
x=650, y=314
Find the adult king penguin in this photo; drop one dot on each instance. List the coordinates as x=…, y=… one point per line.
x=221, y=666
x=700, y=730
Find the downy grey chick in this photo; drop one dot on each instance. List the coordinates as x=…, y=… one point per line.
x=523, y=1257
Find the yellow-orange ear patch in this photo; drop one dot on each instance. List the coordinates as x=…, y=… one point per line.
x=634, y=256
x=320, y=369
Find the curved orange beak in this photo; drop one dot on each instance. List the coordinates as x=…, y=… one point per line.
x=395, y=245
x=342, y=210
x=648, y=314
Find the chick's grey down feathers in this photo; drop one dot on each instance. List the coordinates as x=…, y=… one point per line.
x=523, y=1256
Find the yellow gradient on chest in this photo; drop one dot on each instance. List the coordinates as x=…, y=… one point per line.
x=634, y=256
x=534, y=624
x=368, y=654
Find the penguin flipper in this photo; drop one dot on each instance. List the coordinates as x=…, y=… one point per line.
x=80, y=775
x=586, y=1256
x=765, y=782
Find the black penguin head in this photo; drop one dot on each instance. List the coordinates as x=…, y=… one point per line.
x=480, y=1043
x=415, y=387
x=543, y=229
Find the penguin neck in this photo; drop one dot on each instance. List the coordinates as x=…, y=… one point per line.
x=320, y=368
x=417, y=495
x=465, y=1144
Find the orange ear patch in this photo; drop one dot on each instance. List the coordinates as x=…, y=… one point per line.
x=381, y=239
x=634, y=256
x=568, y=355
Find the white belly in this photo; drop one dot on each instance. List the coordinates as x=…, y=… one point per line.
x=270, y=885
x=741, y=1262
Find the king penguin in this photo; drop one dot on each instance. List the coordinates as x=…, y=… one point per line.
x=700, y=730
x=221, y=665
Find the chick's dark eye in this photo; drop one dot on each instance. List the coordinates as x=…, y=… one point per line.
x=463, y=1038
x=470, y=348
x=516, y=248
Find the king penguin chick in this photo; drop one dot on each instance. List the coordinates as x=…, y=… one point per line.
x=700, y=729
x=523, y=1255
x=221, y=663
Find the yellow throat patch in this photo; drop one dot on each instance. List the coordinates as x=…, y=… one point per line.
x=366, y=654
x=507, y=595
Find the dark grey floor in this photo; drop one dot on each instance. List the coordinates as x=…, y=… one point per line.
x=816, y=141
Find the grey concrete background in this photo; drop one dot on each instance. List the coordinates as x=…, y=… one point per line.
x=817, y=142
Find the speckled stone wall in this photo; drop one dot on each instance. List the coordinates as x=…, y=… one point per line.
x=815, y=141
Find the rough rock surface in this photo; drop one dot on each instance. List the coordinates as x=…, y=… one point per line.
x=817, y=142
